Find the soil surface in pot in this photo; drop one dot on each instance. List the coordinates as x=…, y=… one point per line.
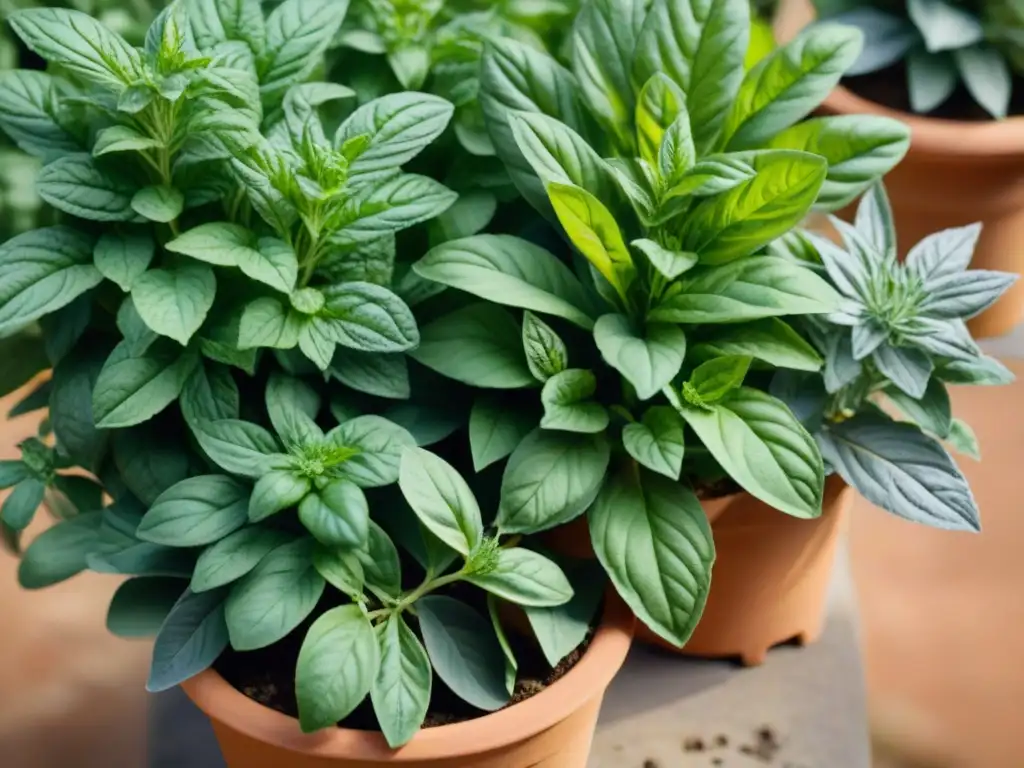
x=888, y=87
x=268, y=677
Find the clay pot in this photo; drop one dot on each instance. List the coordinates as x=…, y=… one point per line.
x=553, y=729
x=956, y=173
x=770, y=577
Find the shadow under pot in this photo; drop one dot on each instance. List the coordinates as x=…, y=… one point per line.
x=770, y=579
x=553, y=729
x=957, y=172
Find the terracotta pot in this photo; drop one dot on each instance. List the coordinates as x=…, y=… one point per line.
x=553, y=729
x=956, y=173
x=770, y=577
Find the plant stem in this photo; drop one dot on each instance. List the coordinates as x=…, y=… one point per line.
x=426, y=588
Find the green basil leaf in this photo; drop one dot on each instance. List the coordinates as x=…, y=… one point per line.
x=341, y=569
x=943, y=25
x=368, y=318
x=149, y=463
x=238, y=447
x=790, y=82
x=860, y=149
x=902, y=470
x=657, y=441
x=192, y=638
x=390, y=204
x=525, y=577
x=277, y=490
x=401, y=690
x=550, y=479
x=908, y=368
x=80, y=44
x=42, y=271
x=267, y=322
x=669, y=264
x=982, y=371
x=379, y=445
x=124, y=256
x=676, y=156
x=770, y=340
x=746, y=289
x=660, y=104
x=441, y=500
x=174, y=302
x=567, y=404
x=716, y=378
x=563, y=628
x=76, y=185
x=961, y=437
x=234, y=556
x=545, y=351
x=13, y=472
x=464, y=651
x=495, y=430
x=210, y=394
x=511, y=271
x=480, y=345
x=932, y=412
x=158, y=203
x=274, y=598
x=29, y=114
x=121, y=138
x=987, y=75
x=59, y=552
x=227, y=20
x=966, y=294
x=654, y=541
x=374, y=373
x=292, y=406
x=763, y=447
x=298, y=34
x=132, y=389
x=21, y=504
x=399, y=127
x=470, y=214
x=140, y=606
x=380, y=562
x=701, y=48
x=337, y=515
x=196, y=512
x=648, y=360
x=739, y=222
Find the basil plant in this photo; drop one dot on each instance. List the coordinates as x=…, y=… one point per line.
x=221, y=273
x=649, y=345
x=897, y=342
x=942, y=44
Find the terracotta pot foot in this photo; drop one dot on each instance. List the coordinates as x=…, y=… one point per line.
x=807, y=637
x=754, y=658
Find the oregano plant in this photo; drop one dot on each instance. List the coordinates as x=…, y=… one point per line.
x=880, y=409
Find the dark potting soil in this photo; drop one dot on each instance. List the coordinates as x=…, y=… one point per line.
x=267, y=676
x=889, y=88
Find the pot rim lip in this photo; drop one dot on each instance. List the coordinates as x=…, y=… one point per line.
x=591, y=676
x=939, y=137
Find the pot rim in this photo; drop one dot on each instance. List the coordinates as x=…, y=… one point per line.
x=591, y=676
x=939, y=137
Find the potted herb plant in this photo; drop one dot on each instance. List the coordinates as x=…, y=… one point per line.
x=951, y=71
x=219, y=285
x=633, y=374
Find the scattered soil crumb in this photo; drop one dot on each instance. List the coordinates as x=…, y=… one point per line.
x=765, y=747
x=721, y=740
x=649, y=763
x=693, y=744
x=717, y=761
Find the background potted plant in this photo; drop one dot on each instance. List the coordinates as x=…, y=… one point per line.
x=659, y=348
x=216, y=251
x=951, y=72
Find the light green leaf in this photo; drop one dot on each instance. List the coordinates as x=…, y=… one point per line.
x=379, y=445
x=121, y=138
x=234, y=556
x=988, y=77
x=790, y=82
x=756, y=211
x=277, y=490
x=594, y=232
x=123, y=256
x=746, y=289
x=337, y=665
x=401, y=691
x=266, y=322
x=158, y=203
x=568, y=406
x=132, y=389
x=860, y=149
x=217, y=243
x=390, y=204
x=525, y=577
x=654, y=541
x=196, y=512
x=495, y=430
x=292, y=406
x=480, y=345
x=298, y=34
x=511, y=271
x=76, y=185
x=380, y=562
x=464, y=651
x=80, y=44
x=274, y=598
x=368, y=318
x=769, y=340
x=657, y=441
x=29, y=113
x=42, y=271
x=138, y=337
x=669, y=264
x=763, y=447
x=648, y=360
x=341, y=569
x=713, y=380
x=550, y=479
x=961, y=437
x=932, y=412
x=400, y=126
x=561, y=629
x=676, y=154
x=545, y=351
x=238, y=447
x=661, y=103
x=337, y=515
x=174, y=302
x=701, y=46
x=441, y=500
x=227, y=20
